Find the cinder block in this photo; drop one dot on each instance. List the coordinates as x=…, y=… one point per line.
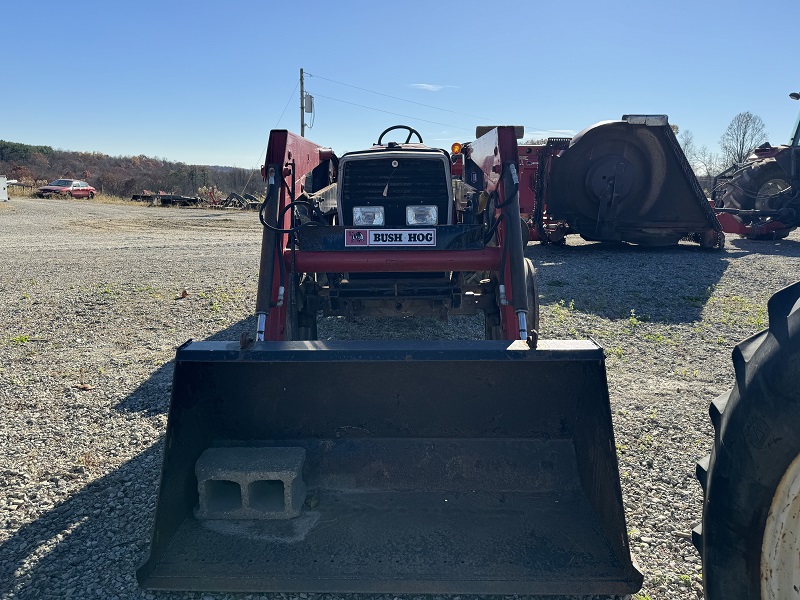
x=250, y=483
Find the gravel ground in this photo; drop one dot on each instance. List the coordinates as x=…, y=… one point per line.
x=93, y=307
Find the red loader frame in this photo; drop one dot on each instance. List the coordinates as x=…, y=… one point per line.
x=290, y=158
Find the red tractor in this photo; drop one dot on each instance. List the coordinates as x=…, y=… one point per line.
x=759, y=199
x=294, y=464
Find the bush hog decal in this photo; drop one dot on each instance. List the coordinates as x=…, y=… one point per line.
x=356, y=237
x=389, y=237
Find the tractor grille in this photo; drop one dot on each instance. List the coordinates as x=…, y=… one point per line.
x=415, y=181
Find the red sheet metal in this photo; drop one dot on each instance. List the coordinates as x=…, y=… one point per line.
x=286, y=149
x=394, y=261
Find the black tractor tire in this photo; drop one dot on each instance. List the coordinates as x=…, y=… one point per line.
x=756, y=187
x=301, y=326
x=756, y=450
x=492, y=322
x=533, y=296
x=526, y=232
x=307, y=325
x=305, y=330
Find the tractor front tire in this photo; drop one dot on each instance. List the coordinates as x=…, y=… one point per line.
x=493, y=325
x=749, y=539
x=533, y=296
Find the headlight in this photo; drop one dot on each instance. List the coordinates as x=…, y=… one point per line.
x=368, y=215
x=421, y=215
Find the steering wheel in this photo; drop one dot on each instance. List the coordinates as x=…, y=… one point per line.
x=411, y=131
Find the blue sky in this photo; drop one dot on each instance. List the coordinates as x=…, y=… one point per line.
x=204, y=82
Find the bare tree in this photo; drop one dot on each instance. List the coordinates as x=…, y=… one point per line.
x=686, y=140
x=707, y=163
x=745, y=132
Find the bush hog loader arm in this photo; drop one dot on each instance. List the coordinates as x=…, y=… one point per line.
x=446, y=467
x=289, y=159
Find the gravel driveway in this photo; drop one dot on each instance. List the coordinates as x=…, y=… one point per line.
x=95, y=298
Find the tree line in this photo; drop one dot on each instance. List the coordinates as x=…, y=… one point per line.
x=122, y=175
x=127, y=175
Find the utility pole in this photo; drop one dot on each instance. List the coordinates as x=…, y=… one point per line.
x=302, y=107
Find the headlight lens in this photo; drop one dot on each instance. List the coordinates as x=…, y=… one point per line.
x=368, y=215
x=421, y=215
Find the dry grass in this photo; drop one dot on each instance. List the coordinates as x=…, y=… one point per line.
x=99, y=197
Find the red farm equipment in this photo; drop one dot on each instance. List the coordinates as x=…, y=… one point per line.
x=759, y=199
x=486, y=467
x=616, y=181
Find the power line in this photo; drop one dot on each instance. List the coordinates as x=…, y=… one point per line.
x=275, y=127
x=391, y=113
x=401, y=99
x=287, y=103
x=485, y=119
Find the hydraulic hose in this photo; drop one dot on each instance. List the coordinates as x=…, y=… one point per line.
x=513, y=243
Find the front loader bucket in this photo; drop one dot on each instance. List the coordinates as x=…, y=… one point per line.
x=629, y=181
x=391, y=467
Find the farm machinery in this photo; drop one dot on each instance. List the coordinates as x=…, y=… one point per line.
x=616, y=181
x=295, y=464
x=759, y=199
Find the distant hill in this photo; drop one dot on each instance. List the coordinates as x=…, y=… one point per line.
x=122, y=175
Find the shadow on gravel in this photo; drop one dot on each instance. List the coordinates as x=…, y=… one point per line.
x=673, y=283
x=152, y=396
x=782, y=247
x=101, y=534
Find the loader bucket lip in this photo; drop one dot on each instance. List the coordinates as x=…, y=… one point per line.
x=431, y=467
x=380, y=350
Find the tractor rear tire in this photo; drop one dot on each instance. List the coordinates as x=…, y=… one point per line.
x=749, y=539
x=761, y=185
x=757, y=186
